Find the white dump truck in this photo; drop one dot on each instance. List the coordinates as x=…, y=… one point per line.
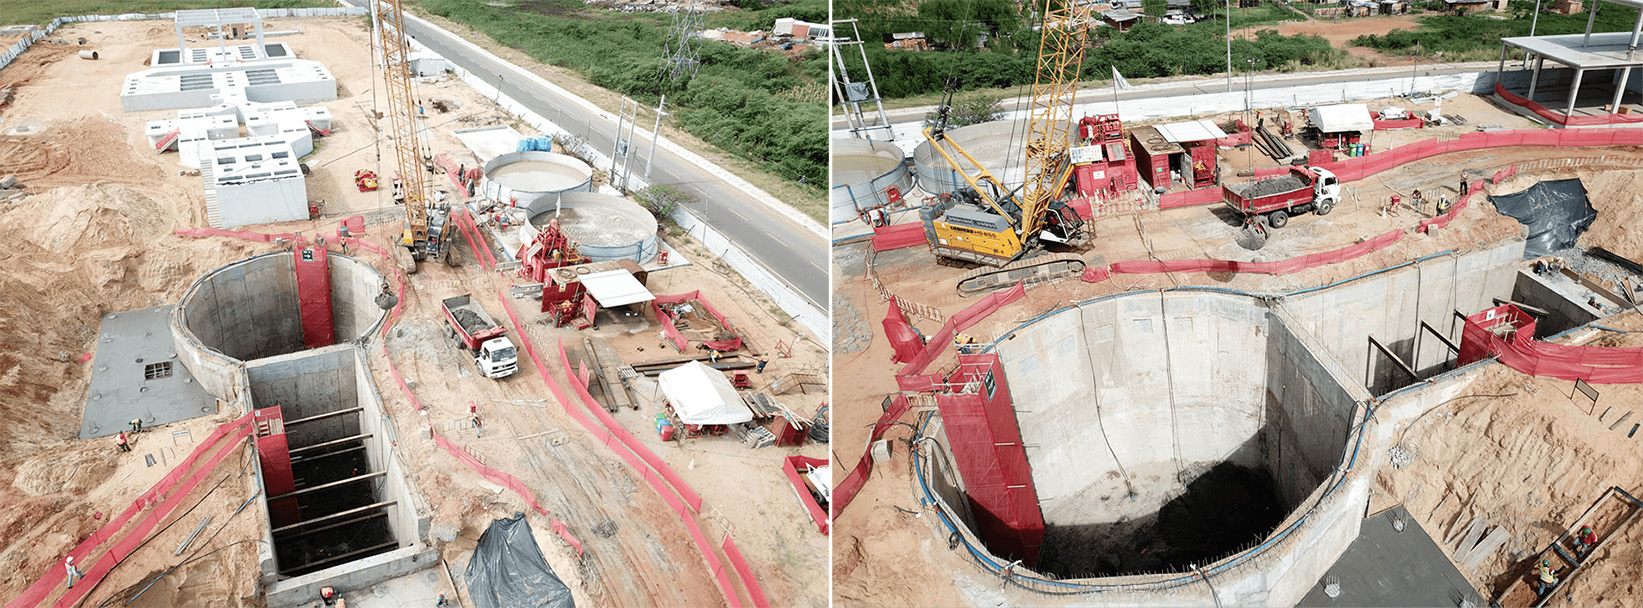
x=485, y=339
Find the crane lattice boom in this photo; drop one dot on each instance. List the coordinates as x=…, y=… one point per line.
x=396, y=71
x=1049, y=127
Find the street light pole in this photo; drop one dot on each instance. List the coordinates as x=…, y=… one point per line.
x=1533, y=21
x=654, y=131
x=1229, y=46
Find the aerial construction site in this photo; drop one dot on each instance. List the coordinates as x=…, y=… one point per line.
x=295, y=314
x=1368, y=339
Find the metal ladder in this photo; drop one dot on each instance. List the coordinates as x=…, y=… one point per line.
x=208, y=168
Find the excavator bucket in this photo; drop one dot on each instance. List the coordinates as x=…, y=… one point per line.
x=1253, y=235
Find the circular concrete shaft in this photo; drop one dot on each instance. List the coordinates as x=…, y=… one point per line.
x=526, y=178
x=249, y=310
x=605, y=227
x=1168, y=430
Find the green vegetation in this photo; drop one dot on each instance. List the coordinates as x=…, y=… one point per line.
x=1146, y=50
x=663, y=199
x=759, y=105
x=1460, y=38
x=41, y=12
x=970, y=110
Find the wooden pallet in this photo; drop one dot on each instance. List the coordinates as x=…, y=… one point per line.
x=1611, y=514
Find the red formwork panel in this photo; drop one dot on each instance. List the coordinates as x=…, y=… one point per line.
x=274, y=456
x=314, y=296
x=986, y=444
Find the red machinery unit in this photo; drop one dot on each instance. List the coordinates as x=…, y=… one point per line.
x=549, y=250
x=274, y=455
x=1204, y=158
x=1102, y=165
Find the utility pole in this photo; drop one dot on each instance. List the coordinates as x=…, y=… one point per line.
x=1229, y=46
x=654, y=132
x=620, y=148
x=1532, y=23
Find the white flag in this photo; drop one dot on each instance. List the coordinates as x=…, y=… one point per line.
x=1118, y=81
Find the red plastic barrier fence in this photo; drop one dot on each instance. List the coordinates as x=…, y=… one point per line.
x=355, y=224
x=1414, y=122
x=1559, y=118
x=735, y=556
x=517, y=486
x=1503, y=175
x=903, y=340
x=846, y=490
x=1236, y=139
x=476, y=239
x=1443, y=220
x=1190, y=198
x=177, y=484
x=679, y=339
x=1522, y=352
x=1295, y=264
x=790, y=467
x=898, y=236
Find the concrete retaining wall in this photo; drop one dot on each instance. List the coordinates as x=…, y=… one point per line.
x=1391, y=305
x=305, y=384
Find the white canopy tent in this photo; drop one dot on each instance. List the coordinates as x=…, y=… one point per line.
x=614, y=288
x=702, y=395
x=1342, y=118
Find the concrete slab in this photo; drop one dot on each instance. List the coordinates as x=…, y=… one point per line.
x=136, y=375
x=1385, y=567
x=489, y=142
x=1605, y=50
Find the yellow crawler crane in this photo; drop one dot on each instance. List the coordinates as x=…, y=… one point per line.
x=421, y=237
x=986, y=223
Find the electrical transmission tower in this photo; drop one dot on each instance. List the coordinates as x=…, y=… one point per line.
x=682, y=55
x=854, y=94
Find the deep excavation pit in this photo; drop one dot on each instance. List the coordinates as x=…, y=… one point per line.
x=1167, y=431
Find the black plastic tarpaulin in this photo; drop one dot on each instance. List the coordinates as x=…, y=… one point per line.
x=1556, y=212
x=507, y=570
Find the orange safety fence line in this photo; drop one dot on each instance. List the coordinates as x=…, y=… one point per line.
x=56, y=573
x=511, y=482
x=632, y=443
x=604, y=436
x=742, y=570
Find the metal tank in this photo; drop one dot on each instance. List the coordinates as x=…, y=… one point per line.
x=997, y=145
x=605, y=227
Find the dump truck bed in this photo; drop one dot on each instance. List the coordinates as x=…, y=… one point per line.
x=474, y=325
x=1268, y=194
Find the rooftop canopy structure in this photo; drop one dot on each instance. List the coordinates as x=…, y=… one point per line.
x=1584, y=52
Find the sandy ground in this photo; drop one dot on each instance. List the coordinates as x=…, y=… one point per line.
x=96, y=237
x=1340, y=32
x=876, y=541
x=1529, y=459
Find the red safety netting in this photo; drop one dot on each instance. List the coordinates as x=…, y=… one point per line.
x=1190, y=198
x=355, y=224
x=627, y=439
x=517, y=486
x=173, y=488
x=1414, y=122
x=790, y=467
x=1503, y=174
x=1515, y=345
x=1236, y=139
x=313, y=275
x=1559, y=118
x=476, y=239
x=737, y=561
x=904, y=340
x=201, y=233
x=1295, y=264
x=667, y=321
x=985, y=441
x=845, y=490
x=957, y=323
x=898, y=236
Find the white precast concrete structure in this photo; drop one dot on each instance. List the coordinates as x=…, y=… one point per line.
x=256, y=180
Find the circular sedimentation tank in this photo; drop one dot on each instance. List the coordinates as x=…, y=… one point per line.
x=997, y=145
x=605, y=227
x=249, y=310
x=526, y=178
x=1167, y=432
x=862, y=172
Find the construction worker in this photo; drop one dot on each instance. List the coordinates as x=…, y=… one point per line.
x=73, y=572
x=1545, y=579
x=1443, y=205
x=136, y=425
x=1464, y=187
x=120, y=440
x=963, y=341
x=763, y=361
x=442, y=603
x=479, y=429
x=1418, y=199
x=713, y=355
x=328, y=596
x=1584, y=541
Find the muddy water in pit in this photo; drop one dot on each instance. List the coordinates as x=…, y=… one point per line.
x=536, y=176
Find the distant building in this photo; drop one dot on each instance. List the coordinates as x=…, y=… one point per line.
x=800, y=30
x=907, y=41
x=1473, y=6
x=1120, y=18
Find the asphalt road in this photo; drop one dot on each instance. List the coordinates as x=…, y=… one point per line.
x=791, y=252
x=1214, y=85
